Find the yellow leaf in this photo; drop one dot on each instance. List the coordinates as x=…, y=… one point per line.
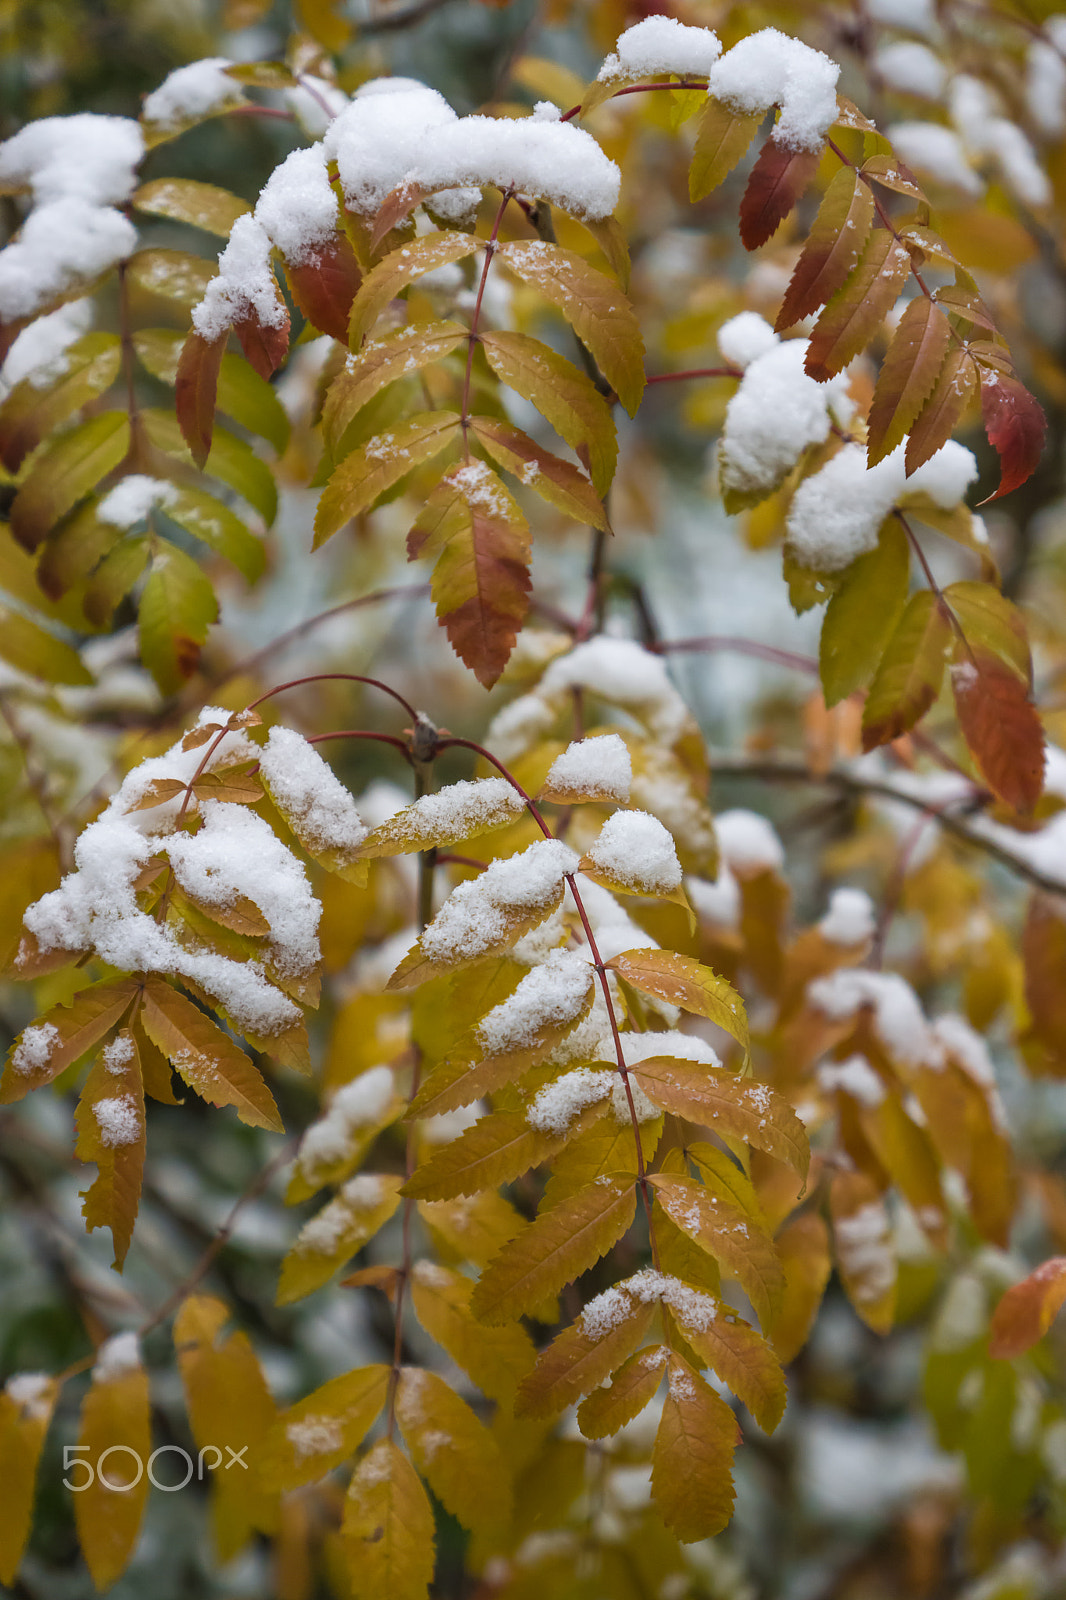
x=111, y=1132
x=205, y=1057
x=745, y=1251
x=555, y=1249
x=862, y=1242
x=494, y=1358
x=59, y=1038
x=453, y=1451
x=186, y=200
x=565, y=396
x=388, y=1528
x=736, y=1353
x=554, y=479
x=687, y=983
x=391, y=276
x=471, y=1229
x=607, y=1145
x=610, y=1407
x=336, y=1232
x=803, y=1245
x=26, y=1406
x=1027, y=1310
x=608, y=1330
x=230, y=1409
x=364, y=476
x=497, y=1149
x=31, y=649
x=458, y=811
x=380, y=363
x=316, y=1435
x=722, y=139
x=906, y=1152
x=692, y=1462
x=115, y=1441
x=736, y=1107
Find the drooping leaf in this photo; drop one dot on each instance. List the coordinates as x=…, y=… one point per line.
x=242, y=393
x=892, y=174
x=111, y=1133
x=1000, y=724
x=203, y=205
x=908, y=375
x=722, y=139
x=116, y=1440
x=320, y=1431
x=906, y=1152
x=909, y=676
x=449, y=816
x=334, y=1234
x=64, y=1034
x=391, y=276
x=1016, y=428
x=1027, y=1310
x=803, y=1245
x=265, y=342
x=382, y=362
x=230, y=1410
x=737, y=1107
x=862, y=614
x=205, y=1057
x=555, y=480
x=26, y=1406
x=561, y=393
x=610, y=1407
x=692, y=1462
x=496, y=1359
x=687, y=983
x=778, y=179
x=481, y=581
x=743, y=1248
x=579, y=1359
x=178, y=605
x=453, y=1451
x=1044, y=952
x=837, y=236
x=195, y=392
x=597, y=310
x=853, y=314
x=325, y=285
x=554, y=1249
x=388, y=1528
x=993, y=624
x=65, y=472
x=862, y=1244
x=365, y=475
x=737, y=1354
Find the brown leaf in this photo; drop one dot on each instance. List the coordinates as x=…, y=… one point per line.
x=196, y=392
x=1027, y=1310
x=1000, y=725
x=265, y=346
x=833, y=247
x=857, y=309
x=59, y=1038
x=778, y=179
x=908, y=376
x=944, y=409
x=1016, y=427
x=325, y=285
x=205, y=1057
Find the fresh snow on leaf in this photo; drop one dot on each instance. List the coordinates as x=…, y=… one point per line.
x=912, y=68
x=39, y=354
x=769, y=68
x=850, y=918
x=744, y=338
x=315, y=102
x=297, y=206
x=898, y=1019
x=598, y=768
x=119, y=1120
x=475, y=917
x=62, y=245
x=777, y=413
x=325, y=1233
x=935, y=152
x=559, y=1104
x=748, y=843
x=116, y=1357
x=130, y=501
x=34, y=1049
x=635, y=850
x=192, y=92
x=836, y=514
x=622, y=672
x=856, y=1077
x=306, y=789
x=637, y=1047
x=358, y=1105
x=552, y=995
x=245, y=285
x=84, y=157
x=662, y=44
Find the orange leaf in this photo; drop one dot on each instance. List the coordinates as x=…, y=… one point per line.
x=1027, y=1310
x=1000, y=725
x=691, y=1472
x=205, y=1057
x=1016, y=427
x=579, y=1359
x=833, y=247
x=56, y=1040
x=195, y=392
x=778, y=179
x=265, y=346
x=943, y=410
x=325, y=286
x=908, y=376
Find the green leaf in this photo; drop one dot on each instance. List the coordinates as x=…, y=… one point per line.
x=177, y=607
x=65, y=472
x=565, y=396
x=115, y=577
x=242, y=394
x=990, y=620
x=201, y=514
x=399, y=269
x=29, y=414
x=861, y=615
x=364, y=476
x=231, y=460
x=722, y=140
x=597, y=310
x=187, y=200
x=910, y=674
x=379, y=363
x=556, y=481
x=33, y=650
x=171, y=275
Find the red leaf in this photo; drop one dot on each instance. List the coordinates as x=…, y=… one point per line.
x=325, y=287
x=1027, y=1310
x=836, y=240
x=778, y=179
x=1016, y=427
x=1001, y=727
x=195, y=391
x=265, y=347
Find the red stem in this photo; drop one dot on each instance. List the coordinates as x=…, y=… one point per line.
x=347, y=677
